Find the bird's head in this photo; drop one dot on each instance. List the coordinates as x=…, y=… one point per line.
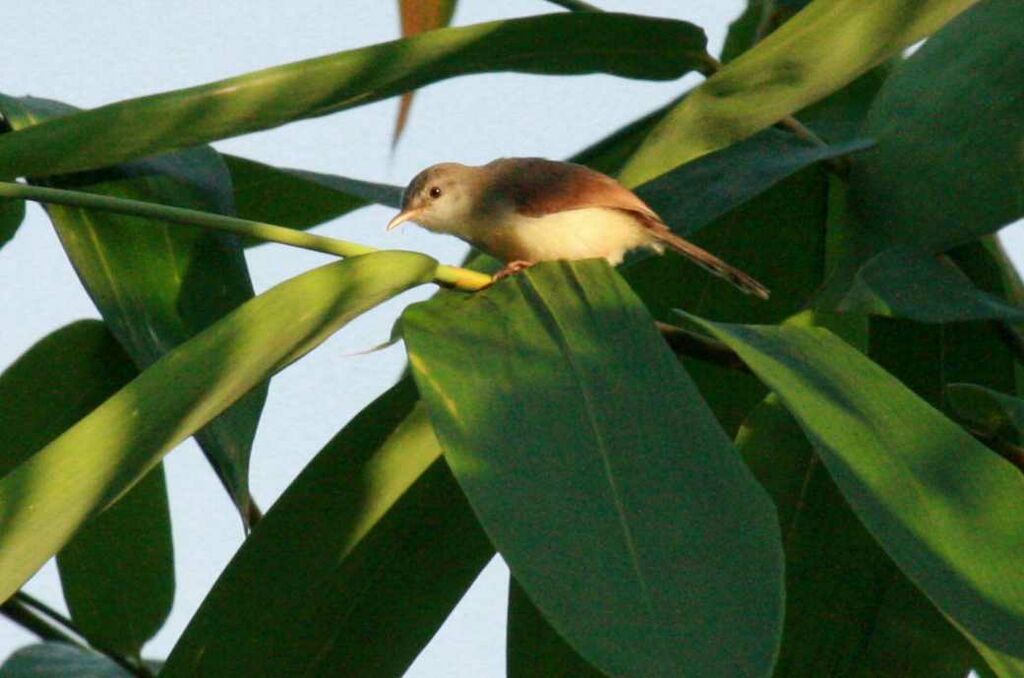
x=440, y=198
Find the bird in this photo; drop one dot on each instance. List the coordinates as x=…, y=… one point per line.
x=527, y=210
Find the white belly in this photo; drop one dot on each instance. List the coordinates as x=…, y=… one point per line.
x=573, y=234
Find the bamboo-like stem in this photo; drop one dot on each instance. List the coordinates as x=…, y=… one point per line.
x=576, y=5
x=42, y=608
x=20, y=614
x=447, y=276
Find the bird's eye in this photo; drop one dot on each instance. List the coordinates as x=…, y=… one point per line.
x=435, y=192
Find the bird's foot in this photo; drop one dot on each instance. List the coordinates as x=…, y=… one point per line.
x=511, y=268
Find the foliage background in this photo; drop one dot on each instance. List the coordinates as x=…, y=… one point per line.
x=471, y=119
x=468, y=119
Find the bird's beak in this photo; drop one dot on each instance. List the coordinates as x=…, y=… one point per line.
x=403, y=217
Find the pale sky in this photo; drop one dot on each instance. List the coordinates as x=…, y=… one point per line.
x=90, y=53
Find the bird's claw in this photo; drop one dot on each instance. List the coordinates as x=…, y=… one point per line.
x=511, y=268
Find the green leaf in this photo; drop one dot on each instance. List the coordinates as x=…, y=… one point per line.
x=827, y=45
x=944, y=508
x=536, y=649
x=743, y=30
x=759, y=19
x=157, y=284
x=356, y=566
x=556, y=44
x=55, y=383
x=599, y=473
x=12, y=212
x=949, y=124
x=60, y=660
x=45, y=499
x=297, y=198
x=695, y=194
x=926, y=358
x=903, y=282
x=987, y=411
x=848, y=607
x=118, y=571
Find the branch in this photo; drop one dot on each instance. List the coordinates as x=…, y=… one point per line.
x=42, y=608
x=20, y=614
x=447, y=276
x=1011, y=452
x=18, y=609
x=693, y=345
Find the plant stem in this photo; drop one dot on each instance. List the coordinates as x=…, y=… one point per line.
x=1011, y=452
x=447, y=276
x=20, y=614
x=39, y=606
x=24, y=610
x=576, y=5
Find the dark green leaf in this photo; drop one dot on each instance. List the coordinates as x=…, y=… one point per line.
x=60, y=660
x=118, y=571
x=11, y=214
x=849, y=610
x=45, y=499
x=557, y=44
x=600, y=474
x=926, y=358
x=903, y=282
x=297, y=198
x=157, y=284
x=743, y=31
x=949, y=124
x=827, y=45
x=695, y=194
x=944, y=508
x=536, y=649
x=354, y=569
x=55, y=383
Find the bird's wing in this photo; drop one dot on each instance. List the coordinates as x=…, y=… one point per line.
x=537, y=187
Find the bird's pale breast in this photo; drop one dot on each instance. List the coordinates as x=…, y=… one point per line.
x=570, y=234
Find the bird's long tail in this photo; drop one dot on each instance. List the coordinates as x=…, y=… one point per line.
x=711, y=263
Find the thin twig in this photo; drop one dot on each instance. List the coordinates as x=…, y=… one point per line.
x=693, y=345
x=447, y=276
x=1011, y=452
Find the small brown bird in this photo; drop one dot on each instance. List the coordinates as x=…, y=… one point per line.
x=525, y=210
